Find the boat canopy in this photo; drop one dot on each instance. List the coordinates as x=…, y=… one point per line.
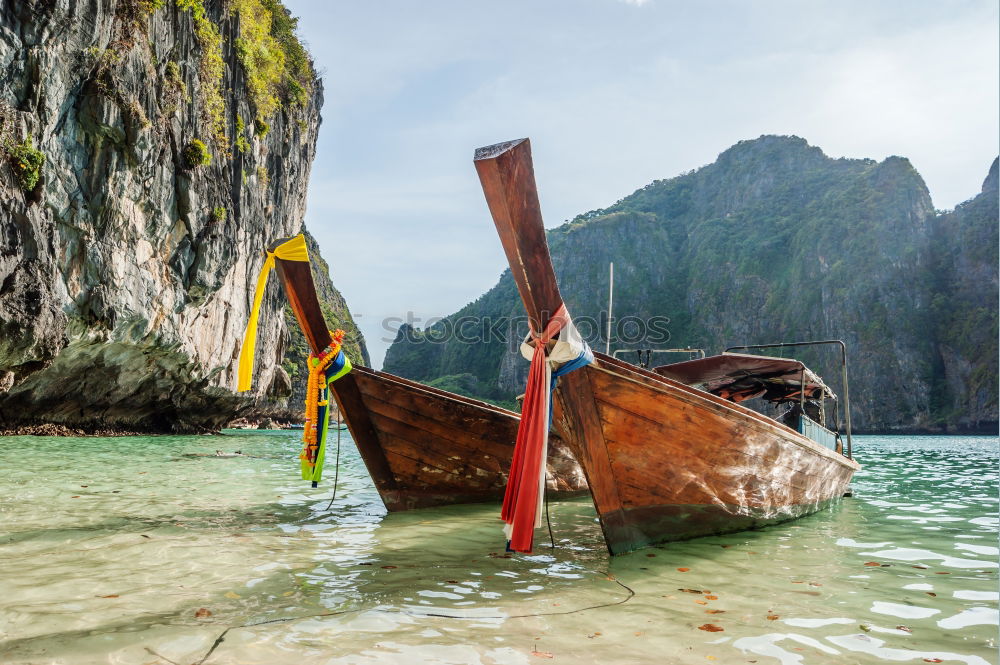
x=739, y=376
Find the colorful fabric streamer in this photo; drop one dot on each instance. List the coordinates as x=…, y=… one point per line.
x=312, y=469
x=293, y=250
x=523, y=498
x=324, y=368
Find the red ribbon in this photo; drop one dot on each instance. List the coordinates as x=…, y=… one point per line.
x=520, y=501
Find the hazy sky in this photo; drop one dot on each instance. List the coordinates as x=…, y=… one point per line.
x=613, y=94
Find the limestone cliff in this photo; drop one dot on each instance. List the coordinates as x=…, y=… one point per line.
x=963, y=309
x=772, y=242
x=170, y=141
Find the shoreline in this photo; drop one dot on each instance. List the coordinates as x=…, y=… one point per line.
x=271, y=423
x=60, y=429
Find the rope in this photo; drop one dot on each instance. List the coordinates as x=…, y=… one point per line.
x=548, y=521
x=336, y=464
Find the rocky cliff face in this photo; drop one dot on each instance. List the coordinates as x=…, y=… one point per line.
x=177, y=137
x=777, y=242
x=963, y=309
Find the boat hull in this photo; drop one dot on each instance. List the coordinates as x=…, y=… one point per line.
x=422, y=446
x=665, y=461
x=635, y=528
x=426, y=447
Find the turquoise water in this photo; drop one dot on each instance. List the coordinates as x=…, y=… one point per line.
x=131, y=550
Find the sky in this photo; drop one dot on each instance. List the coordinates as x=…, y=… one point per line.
x=613, y=94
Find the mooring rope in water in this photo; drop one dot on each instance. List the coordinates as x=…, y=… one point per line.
x=631, y=594
x=548, y=520
x=336, y=464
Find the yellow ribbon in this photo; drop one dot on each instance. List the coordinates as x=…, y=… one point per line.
x=293, y=250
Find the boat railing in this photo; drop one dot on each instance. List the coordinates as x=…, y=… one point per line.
x=645, y=362
x=813, y=430
x=843, y=377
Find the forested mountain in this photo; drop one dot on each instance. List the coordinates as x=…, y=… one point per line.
x=775, y=241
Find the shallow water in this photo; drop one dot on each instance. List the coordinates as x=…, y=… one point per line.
x=129, y=550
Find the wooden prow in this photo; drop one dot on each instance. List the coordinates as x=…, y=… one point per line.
x=300, y=289
x=508, y=180
x=297, y=280
x=422, y=446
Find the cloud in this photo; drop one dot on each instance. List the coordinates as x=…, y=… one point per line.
x=612, y=99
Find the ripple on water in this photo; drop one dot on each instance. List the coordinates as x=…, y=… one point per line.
x=111, y=559
x=912, y=554
x=903, y=611
x=978, y=549
x=866, y=644
x=973, y=616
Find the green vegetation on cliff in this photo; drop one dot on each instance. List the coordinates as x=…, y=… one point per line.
x=212, y=69
x=196, y=154
x=962, y=276
x=774, y=241
x=279, y=72
x=277, y=66
x=26, y=162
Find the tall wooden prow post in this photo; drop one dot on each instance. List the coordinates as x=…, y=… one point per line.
x=508, y=179
x=297, y=281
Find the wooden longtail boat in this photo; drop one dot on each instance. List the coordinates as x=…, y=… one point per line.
x=664, y=460
x=422, y=446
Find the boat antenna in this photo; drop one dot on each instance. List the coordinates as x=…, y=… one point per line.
x=611, y=301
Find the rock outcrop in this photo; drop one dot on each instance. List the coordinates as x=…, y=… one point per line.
x=177, y=138
x=963, y=310
x=776, y=242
